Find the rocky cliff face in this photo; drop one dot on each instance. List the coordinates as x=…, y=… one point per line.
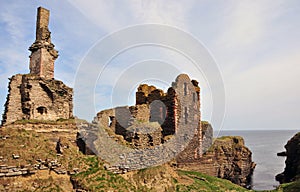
x=227, y=158
x=292, y=163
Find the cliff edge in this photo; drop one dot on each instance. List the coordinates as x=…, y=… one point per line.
x=228, y=158
x=292, y=163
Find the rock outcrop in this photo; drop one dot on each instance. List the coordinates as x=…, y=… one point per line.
x=227, y=158
x=292, y=163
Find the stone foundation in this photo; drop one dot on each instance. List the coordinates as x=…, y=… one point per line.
x=51, y=130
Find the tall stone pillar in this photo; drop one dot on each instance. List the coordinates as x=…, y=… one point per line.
x=43, y=54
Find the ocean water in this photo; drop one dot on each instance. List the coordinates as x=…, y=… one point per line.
x=264, y=144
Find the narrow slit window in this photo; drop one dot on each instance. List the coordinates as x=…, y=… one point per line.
x=185, y=89
x=186, y=115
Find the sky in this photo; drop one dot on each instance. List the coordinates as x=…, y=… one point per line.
x=248, y=51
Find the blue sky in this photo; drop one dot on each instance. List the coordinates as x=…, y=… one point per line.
x=255, y=43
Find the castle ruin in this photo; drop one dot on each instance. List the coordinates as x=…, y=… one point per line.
x=156, y=116
x=37, y=95
x=36, y=100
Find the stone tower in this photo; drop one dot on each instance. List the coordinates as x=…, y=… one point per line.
x=42, y=50
x=37, y=95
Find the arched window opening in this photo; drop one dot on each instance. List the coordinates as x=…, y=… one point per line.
x=41, y=110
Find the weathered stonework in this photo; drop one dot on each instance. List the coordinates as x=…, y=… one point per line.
x=143, y=135
x=38, y=96
x=53, y=130
x=153, y=105
x=153, y=121
x=207, y=136
x=227, y=158
x=42, y=50
x=201, y=142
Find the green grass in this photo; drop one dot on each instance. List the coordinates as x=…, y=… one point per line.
x=32, y=146
x=204, y=182
x=288, y=187
x=96, y=178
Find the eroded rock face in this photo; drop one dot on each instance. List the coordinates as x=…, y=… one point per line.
x=228, y=158
x=292, y=163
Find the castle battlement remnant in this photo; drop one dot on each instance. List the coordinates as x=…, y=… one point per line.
x=37, y=95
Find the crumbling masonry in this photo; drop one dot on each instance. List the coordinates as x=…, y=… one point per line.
x=155, y=117
x=37, y=95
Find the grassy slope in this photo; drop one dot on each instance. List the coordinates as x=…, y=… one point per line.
x=204, y=182
x=290, y=187
x=97, y=179
x=32, y=146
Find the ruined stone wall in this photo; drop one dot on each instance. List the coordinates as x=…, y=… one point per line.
x=189, y=106
x=140, y=113
x=202, y=141
x=207, y=136
x=54, y=130
x=43, y=54
x=153, y=105
x=42, y=63
x=170, y=124
x=144, y=135
x=162, y=106
x=32, y=97
x=119, y=118
x=133, y=124
x=116, y=119
x=106, y=118
x=142, y=94
x=13, y=106
x=37, y=96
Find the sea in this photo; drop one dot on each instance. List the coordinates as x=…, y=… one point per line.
x=264, y=144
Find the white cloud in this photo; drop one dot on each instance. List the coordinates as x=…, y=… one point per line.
x=101, y=13
x=172, y=13
x=266, y=96
x=246, y=23
x=113, y=15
